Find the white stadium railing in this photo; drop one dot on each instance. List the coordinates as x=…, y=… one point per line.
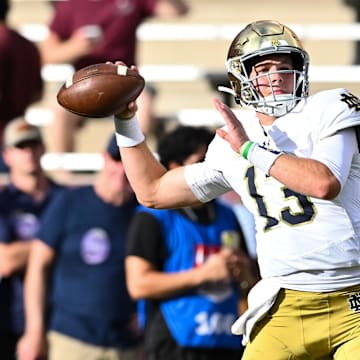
x=185, y=72
x=209, y=32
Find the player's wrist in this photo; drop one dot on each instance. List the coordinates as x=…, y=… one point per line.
x=128, y=132
x=245, y=148
x=259, y=156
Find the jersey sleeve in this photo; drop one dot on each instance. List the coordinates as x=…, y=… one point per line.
x=338, y=113
x=205, y=182
x=337, y=152
x=341, y=110
x=145, y=239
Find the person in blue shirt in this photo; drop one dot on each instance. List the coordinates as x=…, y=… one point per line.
x=80, y=248
x=188, y=268
x=23, y=200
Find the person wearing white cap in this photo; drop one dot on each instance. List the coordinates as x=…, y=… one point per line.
x=22, y=202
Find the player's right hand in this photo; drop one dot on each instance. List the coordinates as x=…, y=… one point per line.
x=132, y=106
x=235, y=135
x=31, y=347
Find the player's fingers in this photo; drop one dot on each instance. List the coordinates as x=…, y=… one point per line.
x=118, y=62
x=226, y=113
x=222, y=133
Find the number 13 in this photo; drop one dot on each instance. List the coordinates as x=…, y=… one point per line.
x=305, y=215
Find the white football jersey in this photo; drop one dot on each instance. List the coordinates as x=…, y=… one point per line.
x=297, y=235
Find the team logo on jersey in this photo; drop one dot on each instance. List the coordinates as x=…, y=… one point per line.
x=25, y=225
x=354, y=302
x=95, y=246
x=351, y=100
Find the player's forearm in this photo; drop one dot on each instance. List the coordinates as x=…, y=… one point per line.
x=55, y=51
x=305, y=176
x=13, y=257
x=145, y=282
x=35, y=290
x=152, y=183
x=61, y=54
x=160, y=285
x=143, y=172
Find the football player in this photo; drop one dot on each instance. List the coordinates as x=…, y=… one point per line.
x=294, y=160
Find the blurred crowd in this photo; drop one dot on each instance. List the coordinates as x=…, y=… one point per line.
x=71, y=284
x=85, y=271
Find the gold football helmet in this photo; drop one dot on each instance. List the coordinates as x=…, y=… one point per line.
x=263, y=38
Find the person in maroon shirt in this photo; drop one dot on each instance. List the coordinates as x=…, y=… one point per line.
x=85, y=32
x=21, y=83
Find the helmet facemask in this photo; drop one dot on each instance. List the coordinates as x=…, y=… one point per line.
x=239, y=69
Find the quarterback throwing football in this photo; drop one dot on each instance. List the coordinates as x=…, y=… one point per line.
x=294, y=160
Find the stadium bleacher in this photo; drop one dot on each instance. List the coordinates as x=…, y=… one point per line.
x=178, y=63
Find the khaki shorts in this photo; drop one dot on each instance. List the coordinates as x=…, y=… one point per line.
x=62, y=347
x=306, y=325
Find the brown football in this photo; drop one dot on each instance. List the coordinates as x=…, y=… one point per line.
x=100, y=90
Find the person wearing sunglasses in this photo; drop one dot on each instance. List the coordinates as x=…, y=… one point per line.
x=28, y=192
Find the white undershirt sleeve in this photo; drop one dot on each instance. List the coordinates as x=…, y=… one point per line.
x=205, y=183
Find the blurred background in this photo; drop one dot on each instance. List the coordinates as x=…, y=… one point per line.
x=184, y=58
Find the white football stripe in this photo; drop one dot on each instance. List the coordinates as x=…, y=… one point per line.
x=69, y=81
x=121, y=69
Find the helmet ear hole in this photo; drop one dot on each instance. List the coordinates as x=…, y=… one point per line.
x=247, y=95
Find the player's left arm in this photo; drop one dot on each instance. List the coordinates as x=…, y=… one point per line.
x=323, y=175
x=319, y=176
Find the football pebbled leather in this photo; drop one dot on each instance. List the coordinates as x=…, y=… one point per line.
x=100, y=90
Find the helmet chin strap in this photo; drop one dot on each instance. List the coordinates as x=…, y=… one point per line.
x=277, y=107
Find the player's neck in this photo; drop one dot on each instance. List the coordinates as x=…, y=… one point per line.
x=265, y=120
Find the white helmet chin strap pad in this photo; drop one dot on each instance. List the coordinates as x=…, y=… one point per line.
x=277, y=105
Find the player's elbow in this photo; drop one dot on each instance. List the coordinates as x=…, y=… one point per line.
x=134, y=293
x=6, y=270
x=328, y=188
x=148, y=201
